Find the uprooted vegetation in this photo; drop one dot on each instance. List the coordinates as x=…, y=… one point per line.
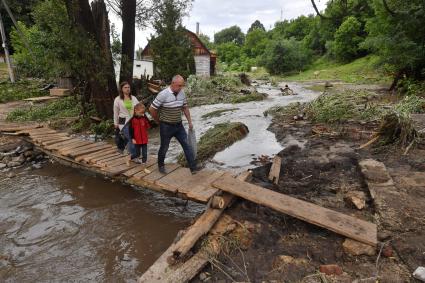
x=337, y=109
x=219, y=89
x=21, y=90
x=217, y=139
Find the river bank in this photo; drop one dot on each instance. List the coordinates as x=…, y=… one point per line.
x=323, y=164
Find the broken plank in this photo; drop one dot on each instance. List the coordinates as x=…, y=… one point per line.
x=122, y=160
x=90, y=156
x=88, y=150
x=348, y=226
x=175, y=179
x=275, y=170
x=39, y=139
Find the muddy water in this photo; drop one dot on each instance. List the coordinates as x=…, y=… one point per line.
x=259, y=141
x=59, y=224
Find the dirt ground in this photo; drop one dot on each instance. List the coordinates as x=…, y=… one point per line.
x=324, y=169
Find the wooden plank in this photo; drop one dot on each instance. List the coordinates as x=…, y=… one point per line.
x=123, y=160
x=161, y=271
x=157, y=175
x=62, y=144
x=40, y=98
x=175, y=179
x=41, y=138
x=101, y=161
x=141, y=174
x=79, y=148
x=113, y=171
x=200, y=182
x=274, y=173
x=87, y=150
x=348, y=226
x=72, y=146
x=46, y=133
x=88, y=157
x=53, y=141
x=151, y=161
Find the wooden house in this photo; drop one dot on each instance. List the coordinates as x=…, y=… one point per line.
x=205, y=60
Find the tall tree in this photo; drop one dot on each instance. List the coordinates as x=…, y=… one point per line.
x=256, y=25
x=170, y=46
x=231, y=34
x=128, y=39
x=93, y=23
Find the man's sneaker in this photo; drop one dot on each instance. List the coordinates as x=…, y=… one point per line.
x=162, y=170
x=195, y=170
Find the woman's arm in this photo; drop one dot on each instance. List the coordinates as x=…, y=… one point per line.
x=116, y=112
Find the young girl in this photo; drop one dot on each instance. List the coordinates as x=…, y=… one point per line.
x=138, y=126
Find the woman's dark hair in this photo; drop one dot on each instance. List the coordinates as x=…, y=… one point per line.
x=120, y=89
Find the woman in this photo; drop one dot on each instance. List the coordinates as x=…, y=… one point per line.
x=123, y=111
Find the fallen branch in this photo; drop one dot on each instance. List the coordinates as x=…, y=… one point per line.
x=373, y=140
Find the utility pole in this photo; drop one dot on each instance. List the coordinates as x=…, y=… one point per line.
x=6, y=50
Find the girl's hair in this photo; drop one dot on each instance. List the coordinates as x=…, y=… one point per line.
x=139, y=105
x=120, y=90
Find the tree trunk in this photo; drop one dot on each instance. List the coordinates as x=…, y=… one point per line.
x=101, y=86
x=128, y=39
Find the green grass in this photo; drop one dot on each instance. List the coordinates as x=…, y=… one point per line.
x=217, y=139
x=217, y=113
x=288, y=111
x=61, y=108
x=363, y=70
x=20, y=90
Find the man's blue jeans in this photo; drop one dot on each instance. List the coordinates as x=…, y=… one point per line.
x=167, y=132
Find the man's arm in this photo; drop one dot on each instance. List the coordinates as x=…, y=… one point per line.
x=187, y=114
x=154, y=114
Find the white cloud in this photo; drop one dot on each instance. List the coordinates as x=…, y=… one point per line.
x=214, y=15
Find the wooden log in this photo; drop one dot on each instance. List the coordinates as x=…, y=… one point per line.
x=274, y=173
x=161, y=271
x=217, y=202
x=345, y=225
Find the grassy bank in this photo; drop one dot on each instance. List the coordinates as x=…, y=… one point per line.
x=20, y=90
x=364, y=70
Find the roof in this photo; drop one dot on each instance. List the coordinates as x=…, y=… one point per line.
x=198, y=46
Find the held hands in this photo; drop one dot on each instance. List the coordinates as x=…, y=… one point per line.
x=133, y=141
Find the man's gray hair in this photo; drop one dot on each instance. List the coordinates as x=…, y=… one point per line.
x=177, y=78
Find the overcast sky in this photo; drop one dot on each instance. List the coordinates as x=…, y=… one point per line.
x=214, y=15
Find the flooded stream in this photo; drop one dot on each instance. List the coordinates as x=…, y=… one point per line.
x=58, y=224
x=259, y=141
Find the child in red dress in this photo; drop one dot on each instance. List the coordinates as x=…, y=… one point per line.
x=138, y=126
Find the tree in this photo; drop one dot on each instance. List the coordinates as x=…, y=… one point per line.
x=231, y=34
x=345, y=47
x=99, y=76
x=171, y=47
x=128, y=39
x=285, y=55
x=398, y=37
x=256, y=25
x=255, y=43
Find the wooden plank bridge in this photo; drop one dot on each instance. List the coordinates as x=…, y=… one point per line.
x=215, y=188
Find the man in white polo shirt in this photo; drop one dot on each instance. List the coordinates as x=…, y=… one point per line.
x=167, y=110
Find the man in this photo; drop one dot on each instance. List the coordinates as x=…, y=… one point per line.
x=166, y=110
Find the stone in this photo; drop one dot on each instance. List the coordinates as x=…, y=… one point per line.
x=331, y=269
x=203, y=276
x=356, y=248
x=282, y=260
x=383, y=235
x=328, y=84
x=2, y=165
x=14, y=164
x=28, y=153
x=10, y=175
x=37, y=166
x=387, y=251
x=356, y=199
x=20, y=159
x=374, y=171
x=419, y=273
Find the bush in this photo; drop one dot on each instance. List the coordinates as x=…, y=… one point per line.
x=20, y=90
x=283, y=56
x=345, y=47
